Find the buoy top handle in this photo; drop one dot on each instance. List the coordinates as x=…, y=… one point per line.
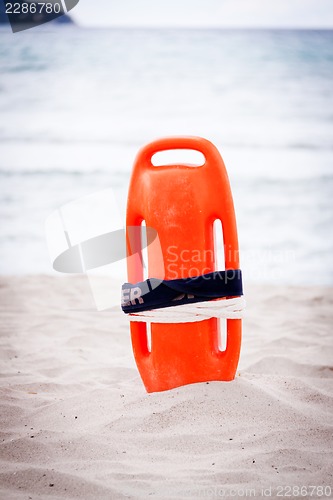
x=210, y=152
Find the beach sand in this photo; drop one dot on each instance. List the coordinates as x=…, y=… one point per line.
x=76, y=421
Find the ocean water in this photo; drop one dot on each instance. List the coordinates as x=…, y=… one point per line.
x=76, y=105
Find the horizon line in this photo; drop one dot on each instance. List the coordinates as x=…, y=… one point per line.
x=214, y=28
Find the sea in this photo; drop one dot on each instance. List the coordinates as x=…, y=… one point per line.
x=76, y=104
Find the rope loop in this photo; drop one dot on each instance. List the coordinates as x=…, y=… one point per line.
x=190, y=313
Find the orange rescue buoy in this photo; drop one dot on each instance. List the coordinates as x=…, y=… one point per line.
x=181, y=203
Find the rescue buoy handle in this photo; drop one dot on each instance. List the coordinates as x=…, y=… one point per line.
x=205, y=147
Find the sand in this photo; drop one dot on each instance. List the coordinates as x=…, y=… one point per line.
x=76, y=421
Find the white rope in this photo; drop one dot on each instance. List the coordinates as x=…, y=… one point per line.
x=189, y=313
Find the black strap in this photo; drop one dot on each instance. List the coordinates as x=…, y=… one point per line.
x=154, y=293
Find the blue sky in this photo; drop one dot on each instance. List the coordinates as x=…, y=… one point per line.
x=206, y=13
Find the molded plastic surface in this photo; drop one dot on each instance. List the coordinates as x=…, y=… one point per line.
x=182, y=203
